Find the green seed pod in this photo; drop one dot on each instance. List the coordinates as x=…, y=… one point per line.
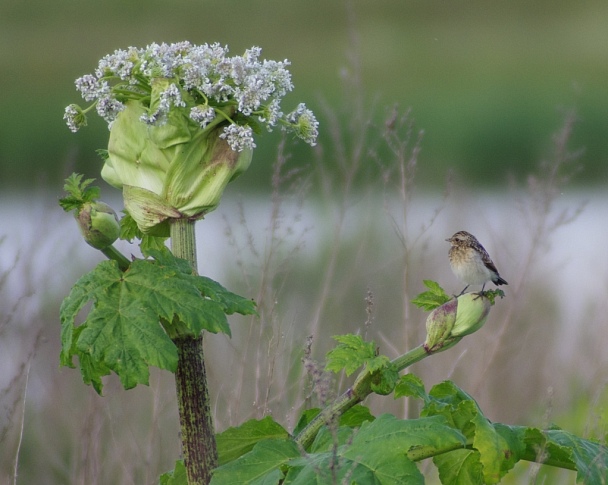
x=98, y=224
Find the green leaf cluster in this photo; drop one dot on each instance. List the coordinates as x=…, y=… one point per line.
x=133, y=314
x=79, y=192
x=433, y=298
x=353, y=352
x=466, y=447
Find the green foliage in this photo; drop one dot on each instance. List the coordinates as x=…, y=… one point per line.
x=466, y=447
x=493, y=294
x=353, y=352
x=130, y=231
x=433, y=298
x=79, y=192
x=132, y=312
x=235, y=442
x=177, y=476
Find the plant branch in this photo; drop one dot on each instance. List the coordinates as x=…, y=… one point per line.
x=354, y=395
x=114, y=254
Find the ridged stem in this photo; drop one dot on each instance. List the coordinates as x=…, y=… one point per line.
x=196, y=421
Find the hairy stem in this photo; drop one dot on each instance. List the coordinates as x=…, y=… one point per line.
x=354, y=395
x=197, y=431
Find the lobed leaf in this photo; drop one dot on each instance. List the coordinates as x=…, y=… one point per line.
x=433, y=298
x=235, y=442
x=123, y=331
x=351, y=353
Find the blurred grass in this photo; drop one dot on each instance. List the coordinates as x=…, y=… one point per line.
x=486, y=81
x=486, y=84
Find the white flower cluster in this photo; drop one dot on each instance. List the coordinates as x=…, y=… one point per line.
x=202, y=80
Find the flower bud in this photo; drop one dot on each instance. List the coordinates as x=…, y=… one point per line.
x=447, y=324
x=98, y=224
x=439, y=326
x=171, y=170
x=472, y=313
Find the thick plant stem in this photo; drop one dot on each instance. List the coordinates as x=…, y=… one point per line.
x=197, y=432
x=357, y=393
x=112, y=253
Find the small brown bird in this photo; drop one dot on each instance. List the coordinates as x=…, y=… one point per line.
x=471, y=263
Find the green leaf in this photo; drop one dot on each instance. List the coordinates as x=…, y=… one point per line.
x=78, y=192
x=560, y=448
x=355, y=416
x=493, y=294
x=351, y=353
x=123, y=333
x=496, y=453
x=378, y=453
x=177, y=476
x=261, y=466
x=130, y=231
x=435, y=297
x=235, y=442
x=410, y=385
x=384, y=379
x=230, y=302
x=305, y=418
x=460, y=467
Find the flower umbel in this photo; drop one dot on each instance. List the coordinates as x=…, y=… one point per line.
x=202, y=77
x=182, y=119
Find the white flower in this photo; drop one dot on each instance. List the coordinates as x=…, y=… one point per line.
x=238, y=137
x=203, y=115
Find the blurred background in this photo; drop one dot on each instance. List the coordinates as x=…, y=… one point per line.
x=435, y=117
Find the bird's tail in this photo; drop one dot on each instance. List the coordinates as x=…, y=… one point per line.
x=499, y=281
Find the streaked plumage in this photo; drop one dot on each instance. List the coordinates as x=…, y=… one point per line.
x=471, y=263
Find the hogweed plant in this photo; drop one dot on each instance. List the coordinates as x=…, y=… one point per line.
x=182, y=120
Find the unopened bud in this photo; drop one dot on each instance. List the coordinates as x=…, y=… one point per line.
x=473, y=310
x=98, y=224
x=447, y=324
x=439, y=326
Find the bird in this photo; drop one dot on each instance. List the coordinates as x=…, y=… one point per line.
x=471, y=263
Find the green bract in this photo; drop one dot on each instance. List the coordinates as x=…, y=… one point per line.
x=173, y=170
x=461, y=316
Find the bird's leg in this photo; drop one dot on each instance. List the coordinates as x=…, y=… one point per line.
x=481, y=293
x=462, y=292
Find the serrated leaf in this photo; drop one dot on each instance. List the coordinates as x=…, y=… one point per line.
x=460, y=467
x=235, y=442
x=177, y=476
x=122, y=332
x=79, y=192
x=435, y=297
x=378, y=453
x=351, y=353
x=262, y=465
x=128, y=228
x=130, y=231
x=495, y=453
x=410, y=385
x=356, y=416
